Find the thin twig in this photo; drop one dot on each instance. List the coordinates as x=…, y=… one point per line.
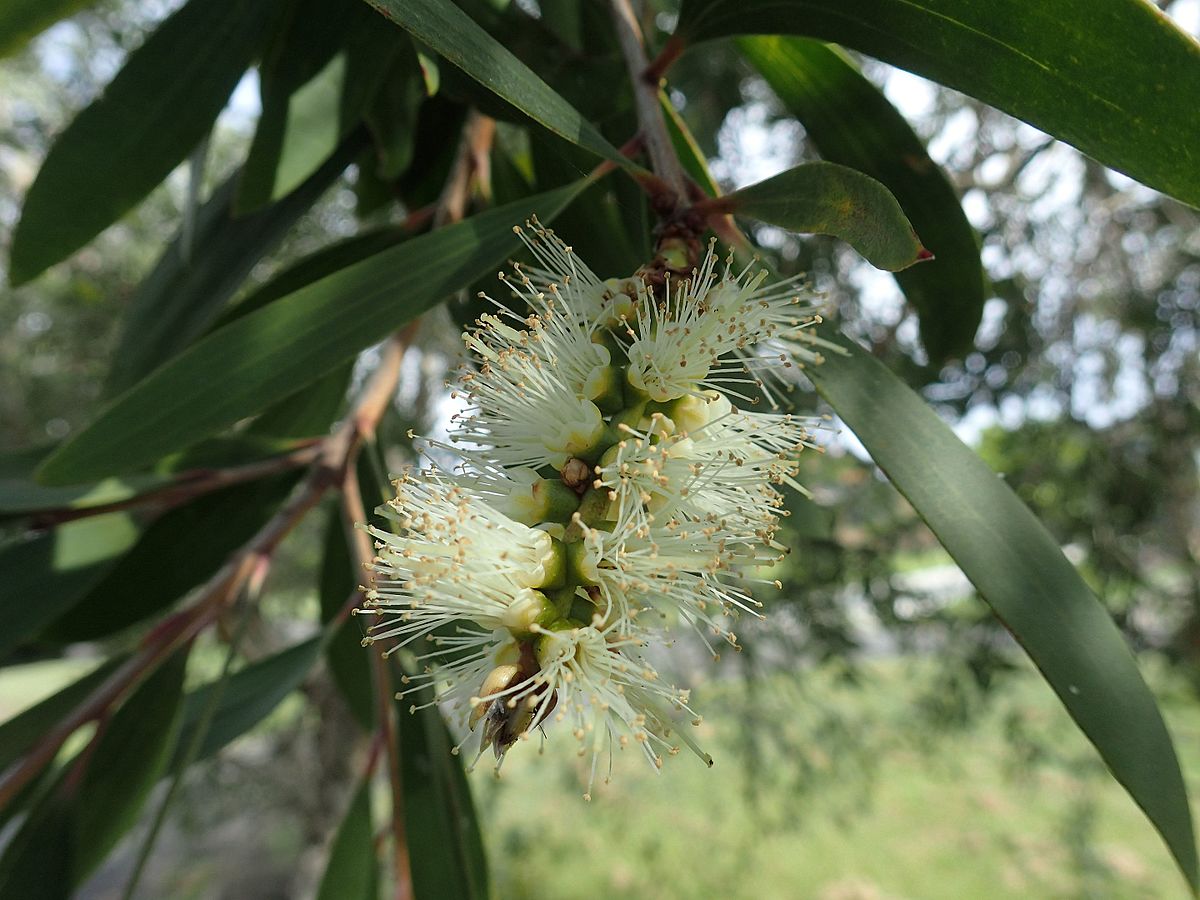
x=208, y=601
x=657, y=141
x=355, y=513
x=187, y=486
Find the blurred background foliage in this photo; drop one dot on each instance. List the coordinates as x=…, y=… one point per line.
x=880, y=736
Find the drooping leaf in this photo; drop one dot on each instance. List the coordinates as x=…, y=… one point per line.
x=43, y=576
x=352, y=871
x=36, y=863
x=269, y=354
x=850, y=122
x=1019, y=570
x=175, y=553
x=444, y=845
x=21, y=20
x=321, y=75
x=445, y=28
x=392, y=115
x=691, y=157
x=148, y=119
x=130, y=755
x=248, y=697
x=187, y=290
x=825, y=198
x=1115, y=78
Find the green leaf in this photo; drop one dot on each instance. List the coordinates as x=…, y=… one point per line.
x=177, y=302
x=1115, y=78
x=352, y=872
x=21, y=20
x=444, y=845
x=248, y=697
x=1019, y=570
x=349, y=664
x=21, y=732
x=324, y=72
x=147, y=120
x=269, y=354
x=691, y=157
x=43, y=576
x=825, y=198
x=447, y=29
x=36, y=864
x=175, y=553
x=20, y=496
x=392, y=115
x=850, y=122
x=127, y=760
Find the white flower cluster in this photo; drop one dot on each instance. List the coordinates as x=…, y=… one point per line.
x=610, y=490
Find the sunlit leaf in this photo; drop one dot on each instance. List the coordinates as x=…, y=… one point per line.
x=447, y=29
x=1019, y=570
x=187, y=290
x=1115, y=78
x=825, y=198
x=269, y=354
x=43, y=576
x=850, y=122
x=148, y=119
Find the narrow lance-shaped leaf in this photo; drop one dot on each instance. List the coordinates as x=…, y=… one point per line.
x=148, y=119
x=1115, y=78
x=447, y=29
x=352, y=872
x=41, y=577
x=185, y=292
x=1022, y=574
x=262, y=357
x=324, y=71
x=825, y=198
x=248, y=697
x=851, y=122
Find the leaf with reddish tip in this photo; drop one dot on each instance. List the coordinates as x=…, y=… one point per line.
x=825, y=198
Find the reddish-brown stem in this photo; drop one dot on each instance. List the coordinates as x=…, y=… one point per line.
x=353, y=513
x=670, y=52
x=187, y=486
x=336, y=453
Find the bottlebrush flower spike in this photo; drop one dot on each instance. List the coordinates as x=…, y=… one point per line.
x=609, y=490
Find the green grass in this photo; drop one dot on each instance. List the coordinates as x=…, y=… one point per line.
x=838, y=793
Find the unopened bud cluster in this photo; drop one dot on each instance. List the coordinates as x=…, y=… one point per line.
x=610, y=491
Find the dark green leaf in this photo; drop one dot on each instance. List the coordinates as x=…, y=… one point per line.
x=147, y=120
x=43, y=576
x=349, y=664
x=1115, y=78
x=20, y=732
x=36, y=864
x=448, y=30
x=352, y=872
x=1019, y=570
x=324, y=73
x=177, y=552
x=21, y=20
x=850, y=122
x=825, y=198
x=248, y=697
x=130, y=754
x=310, y=411
x=269, y=354
x=444, y=844
x=180, y=298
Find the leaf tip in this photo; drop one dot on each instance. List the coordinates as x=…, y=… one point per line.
x=924, y=254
